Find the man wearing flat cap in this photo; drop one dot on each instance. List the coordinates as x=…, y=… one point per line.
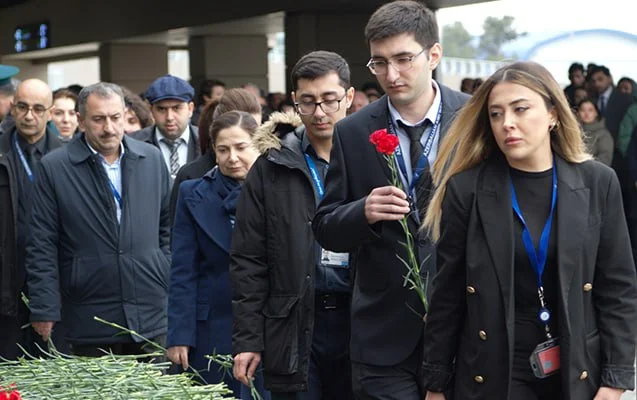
x=171, y=104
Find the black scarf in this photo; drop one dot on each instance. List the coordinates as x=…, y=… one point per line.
x=228, y=189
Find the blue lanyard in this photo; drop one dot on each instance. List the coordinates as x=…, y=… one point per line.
x=537, y=258
x=116, y=194
x=25, y=164
x=423, y=160
x=315, y=176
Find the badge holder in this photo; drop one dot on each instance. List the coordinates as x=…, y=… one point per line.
x=545, y=359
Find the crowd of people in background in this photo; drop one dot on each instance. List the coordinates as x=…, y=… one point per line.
x=229, y=220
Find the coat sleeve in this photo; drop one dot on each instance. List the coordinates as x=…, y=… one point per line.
x=615, y=294
x=165, y=221
x=182, y=294
x=249, y=265
x=605, y=148
x=340, y=224
x=42, y=250
x=447, y=308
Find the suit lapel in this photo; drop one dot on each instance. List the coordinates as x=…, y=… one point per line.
x=378, y=121
x=496, y=214
x=572, y=223
x=205, y=207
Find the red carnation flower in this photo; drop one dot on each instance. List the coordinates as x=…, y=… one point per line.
x=385, y=142
x=9, y=393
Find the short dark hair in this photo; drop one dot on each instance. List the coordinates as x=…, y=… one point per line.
x=233, y=118
x=403, y=16
x=600, y=68
x=372, y=85
x=575, y=67
x=206, y=87
x=318, y=64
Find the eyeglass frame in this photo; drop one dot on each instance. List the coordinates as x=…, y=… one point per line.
x=320, y=104
x=370, y=64
x=31, y=108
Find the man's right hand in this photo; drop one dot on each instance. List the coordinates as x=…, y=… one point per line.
x=387, y=203
x=178, y=355
x=245, y=366
x=43, y=328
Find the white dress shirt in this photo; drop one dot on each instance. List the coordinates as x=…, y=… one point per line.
x=182, y=150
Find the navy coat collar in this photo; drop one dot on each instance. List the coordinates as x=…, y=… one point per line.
x=204, y=203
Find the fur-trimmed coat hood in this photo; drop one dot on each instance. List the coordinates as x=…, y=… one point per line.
x=270, y=135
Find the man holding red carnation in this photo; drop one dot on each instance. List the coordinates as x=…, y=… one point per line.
x=360, y=211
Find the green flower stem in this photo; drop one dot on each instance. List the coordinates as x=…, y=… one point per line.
x=413, y=278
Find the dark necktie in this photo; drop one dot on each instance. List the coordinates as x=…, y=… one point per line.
x=602, y=106
x=423, y=185
x=31, y=154
x=415, y=147
x=173, y=145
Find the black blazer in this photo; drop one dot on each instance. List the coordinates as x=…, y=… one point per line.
x=472, y=310
x=385, y=329
x=148, y=135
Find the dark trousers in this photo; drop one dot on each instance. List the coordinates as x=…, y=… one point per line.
x=540, y=389
x=17, y=330
x=329, y=373
x=395, y=382
x=129, y=348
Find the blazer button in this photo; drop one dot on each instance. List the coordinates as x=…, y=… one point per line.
x=478, y=379
x=583, y=375
x=471, y=289
x=483, y=335
x=588, y=287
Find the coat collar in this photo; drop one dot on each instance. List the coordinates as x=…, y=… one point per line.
x=79, y=151
x=204, y=203
x=493, y=201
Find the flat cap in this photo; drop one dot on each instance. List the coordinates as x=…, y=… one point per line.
x=169, y=87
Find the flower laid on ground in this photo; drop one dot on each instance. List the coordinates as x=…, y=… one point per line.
x=386, y=144
x=9, y=393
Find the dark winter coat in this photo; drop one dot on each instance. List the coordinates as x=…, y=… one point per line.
x=273, y=259
x=81, y=262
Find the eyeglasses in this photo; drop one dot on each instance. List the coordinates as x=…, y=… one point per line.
x=400, y=64
x=328, y=106
x=23, y=109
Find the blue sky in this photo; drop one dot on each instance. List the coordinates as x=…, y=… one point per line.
x=543, y=15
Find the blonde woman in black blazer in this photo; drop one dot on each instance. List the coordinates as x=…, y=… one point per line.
x=520, y=205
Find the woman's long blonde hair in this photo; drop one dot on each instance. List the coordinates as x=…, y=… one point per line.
x=470, y=140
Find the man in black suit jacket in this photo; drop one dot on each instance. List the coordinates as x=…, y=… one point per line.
x=171, y=104
x=360, y=210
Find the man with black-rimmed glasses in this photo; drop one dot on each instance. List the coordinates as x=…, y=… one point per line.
x=23, y=143
x=291, y=299
x=360, y=212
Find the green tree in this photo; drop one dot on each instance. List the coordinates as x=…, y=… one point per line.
x=456, y=41
x=497, y=31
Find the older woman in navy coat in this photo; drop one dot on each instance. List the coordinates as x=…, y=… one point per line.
x=200, y=299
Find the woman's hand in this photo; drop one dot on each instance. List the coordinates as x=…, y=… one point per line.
x=179, y=355
x=437, y=396
x=606, y=393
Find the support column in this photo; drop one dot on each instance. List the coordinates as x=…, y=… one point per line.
x=134, y=65
x=233, y=59
x=342, y=33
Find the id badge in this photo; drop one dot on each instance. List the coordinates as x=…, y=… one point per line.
x=545, y=359
x=334, y=260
